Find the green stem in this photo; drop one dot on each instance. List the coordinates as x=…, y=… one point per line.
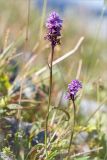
x=72, y=130
x=28, y=18
x=49, y=101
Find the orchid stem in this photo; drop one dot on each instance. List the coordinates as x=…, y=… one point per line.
x=72, y=130
x=49, y=101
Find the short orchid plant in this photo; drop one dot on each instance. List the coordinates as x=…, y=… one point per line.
x=54, y=26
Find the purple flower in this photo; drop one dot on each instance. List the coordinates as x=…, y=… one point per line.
x=73, y=88
x=54, y=26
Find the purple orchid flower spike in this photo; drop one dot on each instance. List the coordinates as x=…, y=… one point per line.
x=54, y=26
x=73, y=88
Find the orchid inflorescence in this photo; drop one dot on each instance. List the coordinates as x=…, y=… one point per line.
x=73, y=88
x=54, y=26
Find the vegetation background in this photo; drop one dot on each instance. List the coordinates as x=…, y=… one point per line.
x=24, y=82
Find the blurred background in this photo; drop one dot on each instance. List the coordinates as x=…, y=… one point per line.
x=23, y=22
x=24, y=52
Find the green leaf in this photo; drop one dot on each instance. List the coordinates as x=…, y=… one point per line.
x=82, y=158
x=13, y=106
x=63, y=110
